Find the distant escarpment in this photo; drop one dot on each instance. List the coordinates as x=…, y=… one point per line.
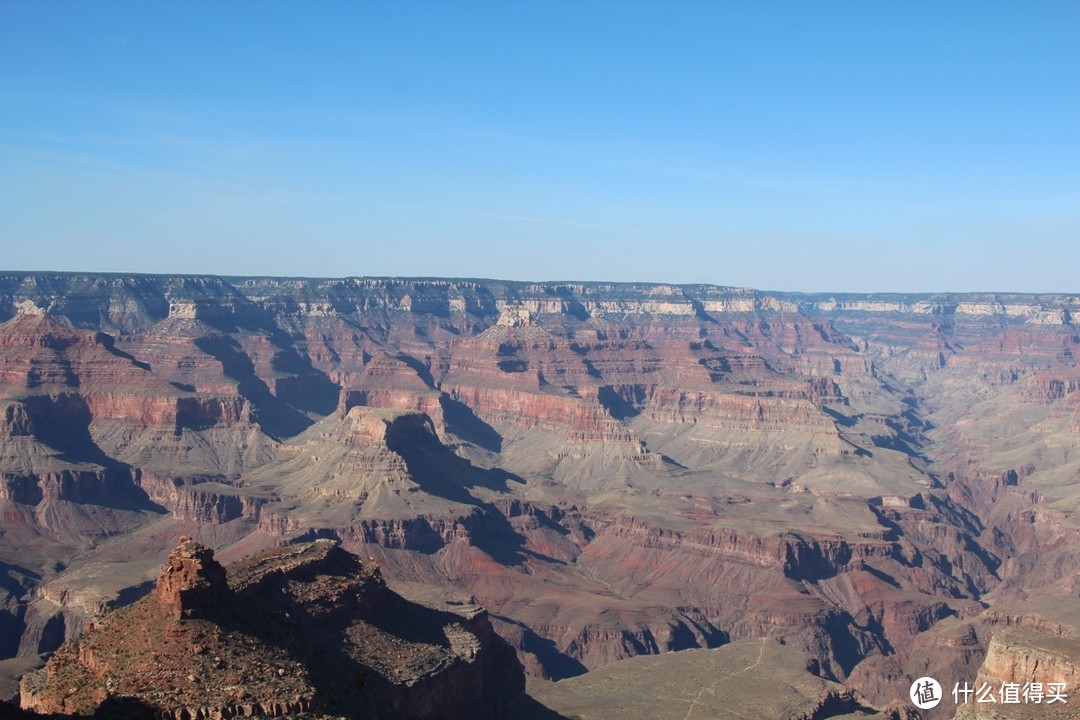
x=612, y=469
x=301, y=630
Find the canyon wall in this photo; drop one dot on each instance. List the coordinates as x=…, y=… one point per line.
x=611, y=469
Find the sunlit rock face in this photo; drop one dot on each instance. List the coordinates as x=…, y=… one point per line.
x=611, y=469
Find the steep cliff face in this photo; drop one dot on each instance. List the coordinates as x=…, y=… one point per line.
x=1031, y=652
x=1030, y=657
x=614, y=469
x=305, y=628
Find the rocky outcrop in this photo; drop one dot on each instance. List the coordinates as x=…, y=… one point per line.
x=192, y=583
x=300, y=629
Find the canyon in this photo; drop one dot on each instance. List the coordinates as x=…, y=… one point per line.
x=875, y=487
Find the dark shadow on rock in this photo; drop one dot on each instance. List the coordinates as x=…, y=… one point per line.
x=572, y=306
x=315, y=635
x=882, y=576
x=130, y=594
x=591, y=370
x=12, y=628
x=463, y=422
x=310, y=633
x=840, y=705
x=513, y=366
x=422, y=371
x=315, y=392
x=63, y=423
x=109, y=343
x=894, y=530
x=840, y=419
x=11, y=584
x=442, y=474
x=491, y=532
x=684, y=638
x=556, y=664
x=277, y=418
x=309, y=392
x=435, y=468
x=848, y=642
x=126, y=708
x=52, y=634
x=701, y=313
x=616, y=405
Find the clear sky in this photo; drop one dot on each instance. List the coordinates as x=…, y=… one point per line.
x=838, y=146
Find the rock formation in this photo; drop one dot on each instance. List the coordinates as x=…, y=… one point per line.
x=304, y=629
x=192, y=583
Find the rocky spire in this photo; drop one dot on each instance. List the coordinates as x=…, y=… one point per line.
x=192, y=581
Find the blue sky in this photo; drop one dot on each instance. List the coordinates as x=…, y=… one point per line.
x=817, y=146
